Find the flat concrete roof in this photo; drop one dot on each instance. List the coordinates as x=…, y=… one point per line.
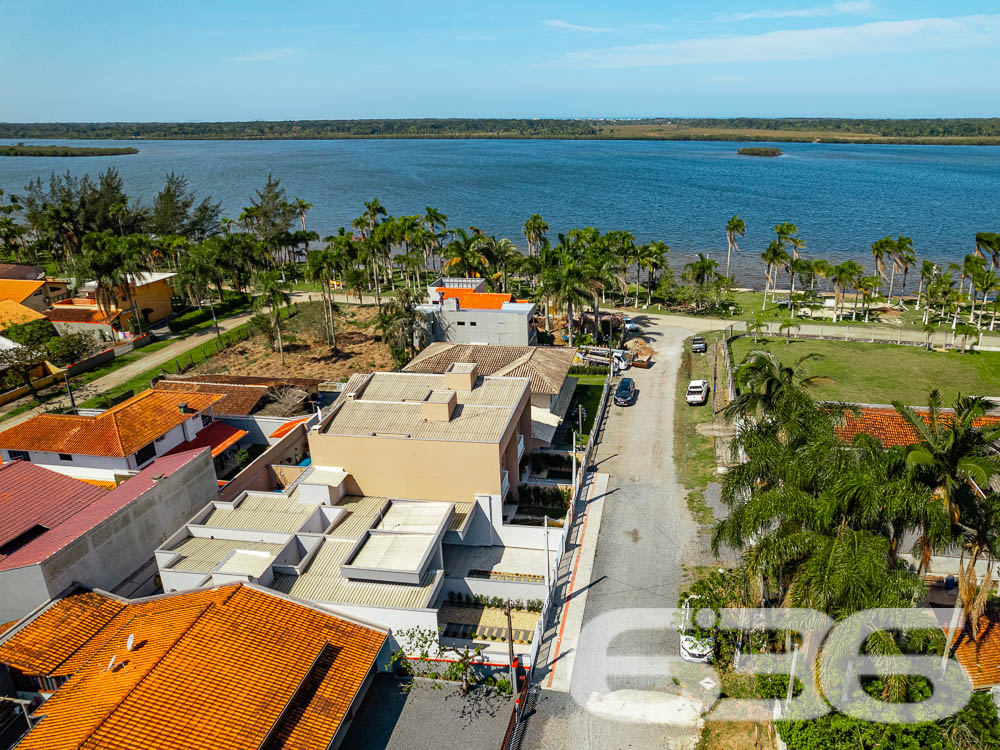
x=459, y=559
x=420, y=517
x=393, y=551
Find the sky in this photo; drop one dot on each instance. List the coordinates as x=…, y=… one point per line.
x=101, y=60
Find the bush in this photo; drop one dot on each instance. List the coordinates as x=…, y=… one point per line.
x=588, y=370
x=503, y=686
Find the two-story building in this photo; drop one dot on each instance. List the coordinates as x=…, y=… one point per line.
x=462, y=311
x=154, y=298
x=122, y=439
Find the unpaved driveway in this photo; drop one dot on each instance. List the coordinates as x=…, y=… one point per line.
x=646, y=536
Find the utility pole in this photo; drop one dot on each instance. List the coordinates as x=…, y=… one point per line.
x=579, y=419
x=510, y=654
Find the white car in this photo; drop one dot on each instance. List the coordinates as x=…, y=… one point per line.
x=697, y=392
x=694, y=647
x=631, y=326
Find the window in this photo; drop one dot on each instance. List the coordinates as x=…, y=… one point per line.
x=145, y=453
x=461, y=322
x=160, y=439
x=206, y=419
x=22, y=455
x=65, y=457
x=472, y=322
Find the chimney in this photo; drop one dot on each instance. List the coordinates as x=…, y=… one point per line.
x=461, y=376
x=438, y=406
x=183, y=408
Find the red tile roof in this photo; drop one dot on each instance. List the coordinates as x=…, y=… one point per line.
x=118, y=432
x=18, y=289
x=218, y=436
x=227, y=668
x=79, y=314
x=980, y=660
x=886, y=424
x=31, y=496
x=103, y=505
x=242, y=396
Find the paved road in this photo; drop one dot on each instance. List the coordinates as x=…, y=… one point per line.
x=646, y=535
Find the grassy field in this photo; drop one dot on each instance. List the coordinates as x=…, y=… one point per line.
x=588, y=393
x=694, y=454
x=882, y=373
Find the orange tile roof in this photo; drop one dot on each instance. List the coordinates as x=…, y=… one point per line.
x=12, y=313
x=218, y=436
x=886, y=424
x=288, y=427
x=120, y=431
x=17, y=289
x=79, y=314
x=980, y=660
x=225, y=668
x=104, y=485
x=472, y=300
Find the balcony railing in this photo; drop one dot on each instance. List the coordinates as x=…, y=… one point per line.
x=504, y=484
x=520, y=447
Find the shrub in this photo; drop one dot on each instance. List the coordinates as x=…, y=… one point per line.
x=233, y=301
x=503, y=686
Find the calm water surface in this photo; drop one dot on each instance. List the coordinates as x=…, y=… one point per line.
x=842, y=197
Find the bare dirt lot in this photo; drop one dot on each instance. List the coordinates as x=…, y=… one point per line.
x=307, y=354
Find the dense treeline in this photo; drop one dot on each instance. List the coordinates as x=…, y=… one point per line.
x=949, y=130
x=21, y=150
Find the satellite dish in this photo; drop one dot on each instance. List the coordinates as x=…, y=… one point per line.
x=110, y=663
x=130, y=642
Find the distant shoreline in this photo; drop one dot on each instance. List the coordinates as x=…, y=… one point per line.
x=944, y=132
x=21, y=150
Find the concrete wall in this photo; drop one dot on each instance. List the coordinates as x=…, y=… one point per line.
x=22, y=590
x=480, y=326
x=101, y=331
x=260, y=428
x=118, y=545
x=291, y=449
x=488, y=587
x=389, y=617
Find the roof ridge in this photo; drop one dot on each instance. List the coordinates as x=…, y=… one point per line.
x=115, y=706
x=94, y=635
x=517, y=362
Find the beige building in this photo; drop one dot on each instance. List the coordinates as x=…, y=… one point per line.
x=428, y=437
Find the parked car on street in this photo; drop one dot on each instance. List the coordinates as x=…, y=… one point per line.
x=631, y=326
x=625, y=392
x=697, y=392
x=699, y=345
x=694, y=647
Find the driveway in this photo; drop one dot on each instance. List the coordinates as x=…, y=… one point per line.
x=646, y=537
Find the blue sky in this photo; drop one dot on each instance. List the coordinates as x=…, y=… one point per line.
x=216, y=60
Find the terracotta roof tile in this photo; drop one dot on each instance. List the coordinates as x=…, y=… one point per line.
x=236, y=400
x=888, y=426
x=218, y=436
x=79, y=314
x=287, y=427
x=12, y=313
x=120, y=431
x=17, y=289
x=980, y=660
x=472, y=300
x=219, y=669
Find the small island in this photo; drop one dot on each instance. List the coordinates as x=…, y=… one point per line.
x=759, y=151
x=21, y=150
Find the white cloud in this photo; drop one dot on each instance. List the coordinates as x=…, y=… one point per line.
x=855, y=7
x=567, y=26
x=802, y=44
x=265, y=56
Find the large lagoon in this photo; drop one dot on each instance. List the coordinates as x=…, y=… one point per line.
x=842, y=197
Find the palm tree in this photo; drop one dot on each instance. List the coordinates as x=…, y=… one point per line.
x=134, y=263
x=788, y=327
x=735, y=227
x=101, y=263
x=652, y=256
x=767, y=386
x=402, y=323
x=787, y=232
x=199, y=273
x=755, y=326
x=301, y=208
x=882, y=250
x=566, y=285
x=989, y=242
x=534, y=230
x=272, y=292
x=464, y=254
x=905, y=257
x=321, y=266
x=843, y=276
x=774, y=257
x=868, y=287
x=927, y=272
x=701, y=270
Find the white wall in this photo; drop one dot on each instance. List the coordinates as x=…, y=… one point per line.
x=395, y=619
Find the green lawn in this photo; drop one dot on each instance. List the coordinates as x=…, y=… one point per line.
x=588, y=393
x=883, y=373
x=694, y=454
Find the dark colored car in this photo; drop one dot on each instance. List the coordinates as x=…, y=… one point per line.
x=698, y=345
x=625, y=392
